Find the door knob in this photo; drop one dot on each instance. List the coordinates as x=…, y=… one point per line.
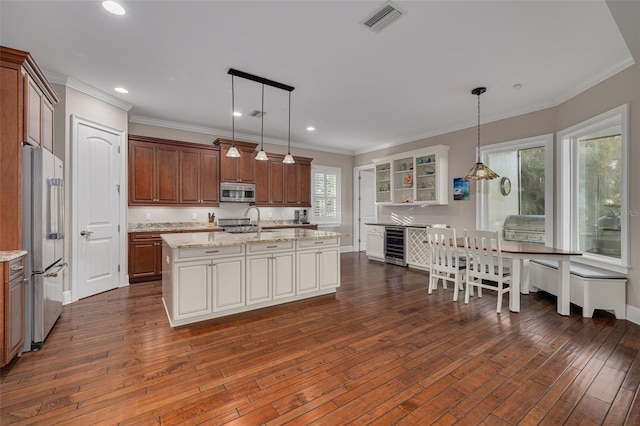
x=86, y=233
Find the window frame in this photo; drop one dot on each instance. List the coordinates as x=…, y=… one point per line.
x=566, y=183
x=482, y=189
x=326, y=170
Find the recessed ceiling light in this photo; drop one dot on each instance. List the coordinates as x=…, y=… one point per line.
x=237, y=114
x=311, y=129
x=517, y=86
x=113, y=7
x=121, y=90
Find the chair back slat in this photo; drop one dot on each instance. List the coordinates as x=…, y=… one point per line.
x=483, y=247
x=444, y=251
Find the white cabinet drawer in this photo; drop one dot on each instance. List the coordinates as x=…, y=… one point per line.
x=305, y=244
x=210, y=252
x=269, y=247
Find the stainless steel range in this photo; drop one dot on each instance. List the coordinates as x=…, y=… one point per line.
x=529, y=228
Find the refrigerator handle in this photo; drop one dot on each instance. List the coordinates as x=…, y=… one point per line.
x=56, y=209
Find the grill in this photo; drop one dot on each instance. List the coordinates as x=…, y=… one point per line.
x=237, y=226
x=529, y=228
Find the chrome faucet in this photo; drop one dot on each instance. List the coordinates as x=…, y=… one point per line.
x=258, y=210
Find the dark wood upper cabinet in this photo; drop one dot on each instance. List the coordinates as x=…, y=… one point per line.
x=172, y=173
x=283, y=185
x=240, y=169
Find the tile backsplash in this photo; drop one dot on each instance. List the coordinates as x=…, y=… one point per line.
x=201, y=214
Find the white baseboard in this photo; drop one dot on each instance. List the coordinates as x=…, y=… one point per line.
x=633, y=314
x=346, y=249
x=66, y=297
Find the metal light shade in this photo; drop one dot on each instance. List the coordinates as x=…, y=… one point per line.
x=262, y=156
x=479, y=171
x=288, y=159
x=233, y=152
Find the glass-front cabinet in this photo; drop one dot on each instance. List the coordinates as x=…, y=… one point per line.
x=417, y=177
x=383, y=183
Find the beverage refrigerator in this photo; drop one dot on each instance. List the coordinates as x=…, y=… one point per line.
x=42, y=238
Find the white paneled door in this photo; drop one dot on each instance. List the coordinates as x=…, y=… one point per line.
x=97, y=206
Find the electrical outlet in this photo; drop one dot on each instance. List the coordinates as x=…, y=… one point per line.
x=270, y=215
x=194, y=216
x=147, y=216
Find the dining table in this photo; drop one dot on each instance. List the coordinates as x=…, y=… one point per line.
x=520, y=254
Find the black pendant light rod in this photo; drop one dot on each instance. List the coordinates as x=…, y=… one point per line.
x=259, y=79
x=478, y=91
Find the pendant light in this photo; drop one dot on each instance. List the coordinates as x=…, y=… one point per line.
x=233, y=151
x=262, y=156
x=288, y=159
x=479, y=171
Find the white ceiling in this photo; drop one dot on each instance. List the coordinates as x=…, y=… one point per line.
x=361, y=90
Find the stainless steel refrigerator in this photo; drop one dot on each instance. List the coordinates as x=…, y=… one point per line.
x=42, y=238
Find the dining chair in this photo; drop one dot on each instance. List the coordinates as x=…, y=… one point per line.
x=447, y=263
x=486, y=269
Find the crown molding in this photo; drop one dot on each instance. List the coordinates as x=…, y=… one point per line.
x=78, y=85
x=226, y=134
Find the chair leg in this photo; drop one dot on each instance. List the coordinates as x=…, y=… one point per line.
x=430, y=286
x=456, y=287
x=499, y=308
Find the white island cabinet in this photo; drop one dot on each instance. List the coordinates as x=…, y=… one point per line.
x=209, y=275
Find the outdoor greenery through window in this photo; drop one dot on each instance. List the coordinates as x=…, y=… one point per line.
x=593, y=188
x=326, y=195
x=598, y=194
x=531, y=181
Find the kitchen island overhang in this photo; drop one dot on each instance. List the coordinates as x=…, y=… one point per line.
x=211, y=275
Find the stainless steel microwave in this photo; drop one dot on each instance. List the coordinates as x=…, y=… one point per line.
x=238, y=192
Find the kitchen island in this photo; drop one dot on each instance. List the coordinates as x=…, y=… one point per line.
x=210, y=275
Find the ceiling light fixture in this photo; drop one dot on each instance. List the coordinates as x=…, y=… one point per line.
x=121, y=90
x=233, y=151
x=311, y=129
x=113, y=7
x=288, y=159
x=262, y=156
x=479, y=171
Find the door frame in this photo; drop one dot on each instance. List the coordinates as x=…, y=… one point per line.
x=356, y=204
x=122, y=216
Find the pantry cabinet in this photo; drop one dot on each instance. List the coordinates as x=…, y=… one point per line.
x=417, y=177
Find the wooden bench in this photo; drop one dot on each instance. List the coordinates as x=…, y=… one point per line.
x=591, y=288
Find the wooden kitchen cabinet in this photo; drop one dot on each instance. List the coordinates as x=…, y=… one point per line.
x=171, y=173
x=153, y=173
x=283, y=185
x=237, y=169
x=12, y=305
x=20, y=76
x=199, y=181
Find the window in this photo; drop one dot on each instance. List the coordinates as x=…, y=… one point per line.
x=525, y=185
x=326, y=195
x=593, y=169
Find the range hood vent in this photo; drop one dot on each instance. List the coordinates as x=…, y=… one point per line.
x=383, y=17
x=257, y=114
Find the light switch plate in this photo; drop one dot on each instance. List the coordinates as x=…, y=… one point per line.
x=194, y=216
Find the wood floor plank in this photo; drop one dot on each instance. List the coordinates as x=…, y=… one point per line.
x=380, y=351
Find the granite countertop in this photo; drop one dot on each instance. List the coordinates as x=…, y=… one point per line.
x=218, y=239
x=200, y=226
x=9, y=255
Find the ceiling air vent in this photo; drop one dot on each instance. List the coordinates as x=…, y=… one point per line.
x=257, y=114
x=383, y=17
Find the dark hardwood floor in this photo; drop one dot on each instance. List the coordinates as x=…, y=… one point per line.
x=381, y=352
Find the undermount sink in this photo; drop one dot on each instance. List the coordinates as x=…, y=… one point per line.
x=248, y=231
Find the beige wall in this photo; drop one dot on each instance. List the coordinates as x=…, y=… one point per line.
x=73, y=102
x=345, y=162
x=622, y=88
